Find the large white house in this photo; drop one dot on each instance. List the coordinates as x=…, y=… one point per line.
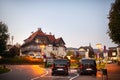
x=42, y=45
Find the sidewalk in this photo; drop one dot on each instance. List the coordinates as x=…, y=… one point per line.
x=113, y=71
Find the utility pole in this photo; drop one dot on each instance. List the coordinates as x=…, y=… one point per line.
x=12, y=37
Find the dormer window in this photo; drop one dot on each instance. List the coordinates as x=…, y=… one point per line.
x=37, y=40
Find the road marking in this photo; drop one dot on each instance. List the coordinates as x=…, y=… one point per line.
x=58, y=76
x=35, y=78
x=74, y=77
x=40, y=76
x=73, y=71
x=44, y=74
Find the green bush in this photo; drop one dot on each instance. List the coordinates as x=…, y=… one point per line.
x=4, y=70
x=20, y=60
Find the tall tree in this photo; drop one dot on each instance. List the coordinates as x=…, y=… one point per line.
x=3, y=37
x=114, y=22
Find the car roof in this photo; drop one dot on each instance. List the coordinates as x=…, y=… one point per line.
x=87, y=59
x=60, y=59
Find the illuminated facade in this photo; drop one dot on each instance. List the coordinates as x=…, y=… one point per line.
x=112, y=53
x=86, y=51
x=40, y=44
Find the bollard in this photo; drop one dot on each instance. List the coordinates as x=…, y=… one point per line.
x=104, y=72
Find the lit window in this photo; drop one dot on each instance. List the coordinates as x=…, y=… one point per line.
x=114, y=54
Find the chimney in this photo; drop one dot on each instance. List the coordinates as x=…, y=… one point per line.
x=50, y=33
x=32, y=32
x=39, y=29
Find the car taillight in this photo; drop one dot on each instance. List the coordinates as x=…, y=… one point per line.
x=53, y=65
x=81, y=66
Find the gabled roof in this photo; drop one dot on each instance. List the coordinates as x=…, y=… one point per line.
x=51, y=38
x=86, y=47
x=39, y=32
x=58, y=40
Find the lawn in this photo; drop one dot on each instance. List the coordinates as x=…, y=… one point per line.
x=3, y=70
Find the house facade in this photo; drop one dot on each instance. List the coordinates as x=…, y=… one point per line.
x=43, y=45
x=112, y=53
x=86, y=52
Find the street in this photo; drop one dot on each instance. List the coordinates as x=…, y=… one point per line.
x=22, y=72
x=35, y=72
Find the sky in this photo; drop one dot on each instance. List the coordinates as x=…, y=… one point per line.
x=78, y=22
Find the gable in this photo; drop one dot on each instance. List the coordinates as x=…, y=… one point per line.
x=82, y=49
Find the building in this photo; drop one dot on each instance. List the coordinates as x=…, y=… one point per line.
x=118, y=54
x=86, y=51
x=112, y=53
x=41, y=45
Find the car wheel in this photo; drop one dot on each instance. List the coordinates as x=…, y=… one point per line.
x=52, y=74
x=95, y=74
x=66, y=74
x=80, y=73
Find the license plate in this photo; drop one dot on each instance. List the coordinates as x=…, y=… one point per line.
x=60, y=69
x=88, y=69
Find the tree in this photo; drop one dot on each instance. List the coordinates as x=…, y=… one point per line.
x=70, y=53
x=3, y=37
x=14, y=51
x=114, y=22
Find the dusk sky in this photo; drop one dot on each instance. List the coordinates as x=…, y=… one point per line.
x=78, y=22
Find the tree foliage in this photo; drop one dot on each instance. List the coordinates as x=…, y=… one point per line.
x=14, y=51
x=70, y=53
x=3, y=37
x=114, y=22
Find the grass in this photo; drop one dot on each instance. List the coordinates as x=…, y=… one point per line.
x=4, y=70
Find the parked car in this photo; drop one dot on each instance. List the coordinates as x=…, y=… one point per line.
x=60, y=66
x=87, y=66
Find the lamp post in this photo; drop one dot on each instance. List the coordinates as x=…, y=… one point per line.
x=99, y=46
x=12, y=37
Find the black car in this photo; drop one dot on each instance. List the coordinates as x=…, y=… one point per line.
x=87, y=66
x=60, y=66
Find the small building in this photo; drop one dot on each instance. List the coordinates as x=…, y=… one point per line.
x=118, y=54
x=112, y=53
x=86, y=51
x=43, y=45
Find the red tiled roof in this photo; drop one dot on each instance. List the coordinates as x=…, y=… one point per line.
x=49, y=36
x=57, y=40
x=39, y=32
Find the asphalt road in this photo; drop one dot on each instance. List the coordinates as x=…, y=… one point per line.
x=22, y=72
x=73, y=75
x=35, y=72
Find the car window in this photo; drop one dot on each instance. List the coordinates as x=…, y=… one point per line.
x=88, y=62
x=60, y=62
